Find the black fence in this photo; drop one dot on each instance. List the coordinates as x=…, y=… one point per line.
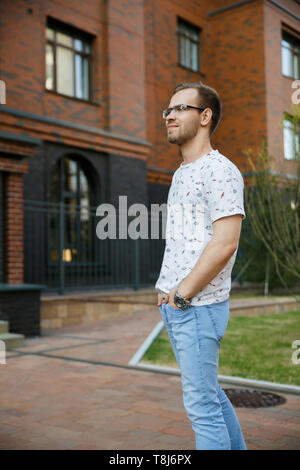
x=63, y=252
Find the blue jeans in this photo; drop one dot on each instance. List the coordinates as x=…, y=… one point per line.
x=195, y=334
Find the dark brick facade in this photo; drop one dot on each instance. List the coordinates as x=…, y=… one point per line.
x=157, y=193
x=2, y=228
x=20, y=306
x=110, y=175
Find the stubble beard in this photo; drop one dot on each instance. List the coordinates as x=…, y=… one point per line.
x=181, y=135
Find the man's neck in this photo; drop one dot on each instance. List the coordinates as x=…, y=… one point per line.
x=190, y=153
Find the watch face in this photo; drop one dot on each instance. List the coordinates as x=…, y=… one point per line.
x=180, y=303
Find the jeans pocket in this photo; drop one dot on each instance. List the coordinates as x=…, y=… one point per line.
x=177, y=310
x=178, y=315
x=219, y=315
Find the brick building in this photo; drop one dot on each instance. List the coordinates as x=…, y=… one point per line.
x=82, y=123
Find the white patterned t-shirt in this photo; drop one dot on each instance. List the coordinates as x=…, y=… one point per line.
x=201, y=192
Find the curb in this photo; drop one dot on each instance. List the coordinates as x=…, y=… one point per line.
x=136, y=358
x=146, y=344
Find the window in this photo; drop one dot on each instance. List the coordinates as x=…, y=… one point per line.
x=69, y=183
x=2, y=227
x=291, y=137
x=188, y=45
x=290, y=55
x=68, y=62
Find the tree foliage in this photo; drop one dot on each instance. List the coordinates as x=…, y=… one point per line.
x=272, y=201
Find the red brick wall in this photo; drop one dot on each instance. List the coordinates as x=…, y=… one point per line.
x=14, y=228
x=236, y=70
x=278, y=87
x=241, y=59
x=162, y=71
x=232, y=62
x=13, y=169
x=119, y=73
x=135, y=70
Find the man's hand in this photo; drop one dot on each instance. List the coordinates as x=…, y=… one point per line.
x=171, y=298
x=168, y=298
x=160, y=300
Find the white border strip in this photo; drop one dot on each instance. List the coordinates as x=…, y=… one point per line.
x=135, y=361
x=146, y=344
x=168, y=370
x=260, y=383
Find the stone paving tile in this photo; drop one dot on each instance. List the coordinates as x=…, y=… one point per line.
x=287, y=442
x=128, y=339
x=154, y=409
x=58, y=403
x=177, y=430
x=35, y=344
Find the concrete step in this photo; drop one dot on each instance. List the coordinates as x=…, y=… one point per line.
x=12, y=340
x=4, y=326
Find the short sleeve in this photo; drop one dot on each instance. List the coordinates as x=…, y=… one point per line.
x=225, y=191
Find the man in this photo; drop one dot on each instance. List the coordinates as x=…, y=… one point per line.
x=204, y=216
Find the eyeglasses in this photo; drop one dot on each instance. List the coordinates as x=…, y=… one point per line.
x=178, y=108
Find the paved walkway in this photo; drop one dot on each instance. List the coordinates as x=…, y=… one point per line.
x=72, y=388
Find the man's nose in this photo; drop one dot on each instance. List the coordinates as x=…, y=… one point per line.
x=170, y=117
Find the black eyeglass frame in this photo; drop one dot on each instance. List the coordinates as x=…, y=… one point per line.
x=179, y=107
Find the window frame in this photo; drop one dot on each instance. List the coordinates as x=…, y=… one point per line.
x=294, y=41
x=74, y=34
x=288, y=117
x=73, y=222
x=181, y=34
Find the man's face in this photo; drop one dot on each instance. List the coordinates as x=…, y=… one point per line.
x=183, y=126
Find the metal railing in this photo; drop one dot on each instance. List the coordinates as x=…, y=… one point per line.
x=63, y=252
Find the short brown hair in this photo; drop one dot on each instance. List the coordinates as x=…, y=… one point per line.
x=208, y=98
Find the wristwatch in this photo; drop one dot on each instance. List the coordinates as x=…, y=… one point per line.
x=180, y=301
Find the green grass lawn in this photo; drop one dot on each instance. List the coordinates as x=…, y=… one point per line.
x=257, y=347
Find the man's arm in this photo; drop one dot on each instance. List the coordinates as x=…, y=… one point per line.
x=214, y=257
